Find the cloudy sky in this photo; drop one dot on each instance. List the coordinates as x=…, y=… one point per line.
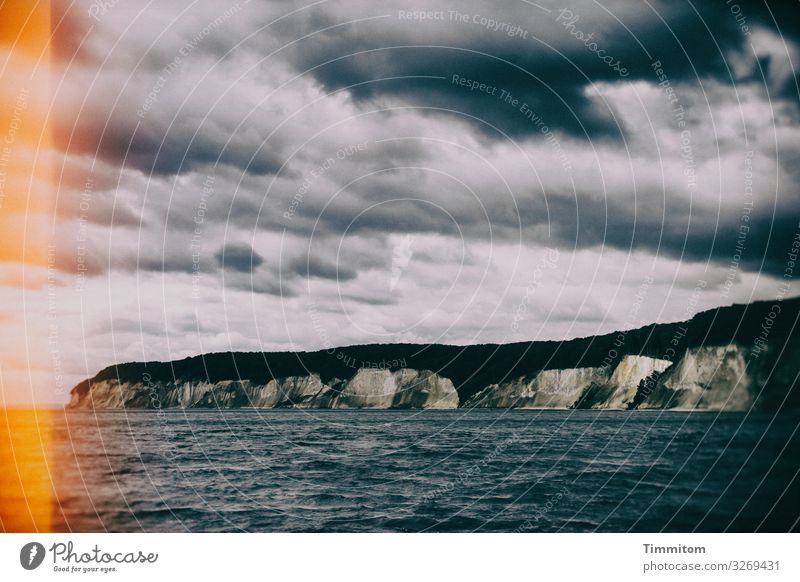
x=292, y=176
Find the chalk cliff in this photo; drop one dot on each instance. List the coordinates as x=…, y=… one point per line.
x=729, y=377
x=368, y=388
x=741, y=357
x=375, y=388
x=599, y=387
x=545, y=389
x=619, y=392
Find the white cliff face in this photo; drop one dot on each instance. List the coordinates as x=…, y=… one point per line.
x=115, y=394
x=705, y=378
x=716, y=378
x=619, y=391
x=105, y=394
x=183, y=396
x=369, y=388
x=546, y=389
x=729, y=377
x=292, y=392
x=424, y=389
x=405, y=388
x=598, y=388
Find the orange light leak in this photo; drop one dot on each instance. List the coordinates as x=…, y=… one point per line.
x=26, y=498
x=26, y=195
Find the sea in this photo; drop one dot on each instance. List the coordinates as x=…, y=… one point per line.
x=424, y=471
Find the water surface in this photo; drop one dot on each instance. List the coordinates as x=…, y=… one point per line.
x=431, y=470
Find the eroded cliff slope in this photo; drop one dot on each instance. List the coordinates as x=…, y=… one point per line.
x=740, y=357
x=368, y=388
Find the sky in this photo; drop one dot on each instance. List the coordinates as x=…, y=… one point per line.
x=296, y=176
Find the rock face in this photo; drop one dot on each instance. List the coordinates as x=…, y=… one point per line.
x=706, y=378
x=546, y=389
x=369, y=388
x=619, y=392
x=599, y=388
x=739, y=357
x=374, y=388
x=723, y=378
x=728, y=377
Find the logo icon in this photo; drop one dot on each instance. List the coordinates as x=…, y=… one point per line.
x=31, y=555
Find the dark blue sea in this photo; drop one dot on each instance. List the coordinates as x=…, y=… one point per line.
x=426, y=471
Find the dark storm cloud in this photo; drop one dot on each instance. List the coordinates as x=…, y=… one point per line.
x=238, y=257
x=181, y=144
x=90, y=248
x=99, y=208
x=398, y=216
x=670, y=224
x=135, y=92
x=171, y=260
x=759, y=244
x=202, y=124
x=378, y=300
x=262, y=282
x=313, y=266
x=550, y=69
x=553, y=93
